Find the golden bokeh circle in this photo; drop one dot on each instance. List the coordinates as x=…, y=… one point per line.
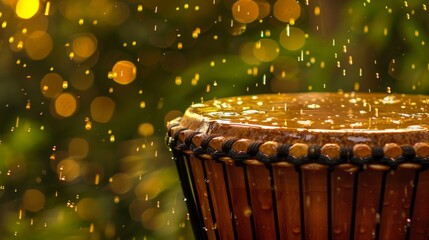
x=38, y=45
x=246, y=53
x=124, y=72
x=146, y=129
x=68, y=170
x=65, y=105
x=266, y=50
x=26, y=9
x=84, y=45
x=121, y=183
x=292, y=38
x=245, y=11
x=51, y=85
x=264, y=8
x=286, y=10
x=33, y=200
x=102, y=109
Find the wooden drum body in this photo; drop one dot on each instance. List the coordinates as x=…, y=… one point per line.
x=274, y=186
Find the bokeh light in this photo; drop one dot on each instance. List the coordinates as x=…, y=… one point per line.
x=27, y=8
x=51, y=85
x=83, y=46
x=264, y=8
x=124, y=72
x=68, y=170
x=121, y=183
x=102, y=109
x=89, y=85
x=33, y=200
x=246, y=53
x=65, y=105
x=146, y=129
x=286, y=10
x=38, y=45
x=292, y=38
x=266, y=50
x=245, y=11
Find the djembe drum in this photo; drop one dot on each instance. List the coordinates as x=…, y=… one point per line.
x=305, y=166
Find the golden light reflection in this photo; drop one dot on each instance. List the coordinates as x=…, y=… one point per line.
x=120, y=183
x=68, y=170
x=264, y=8
x=292, y=38
x=102, y=109
x=178, y=80
x=286, y=10
x=26, y=9
x=47, y=8
x=84, y=45
x=142, y=104
x=38, y=45
x=317, y=11
x=33, y=200
x=65, y=105
x=266, y=50
x=124, y=72
x=16, y=42
x=88, y=124
x=146, y=129
x=245, y=11
x=139, y=8
x=51, y=85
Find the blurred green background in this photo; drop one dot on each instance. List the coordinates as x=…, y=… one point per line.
x=87, y=86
